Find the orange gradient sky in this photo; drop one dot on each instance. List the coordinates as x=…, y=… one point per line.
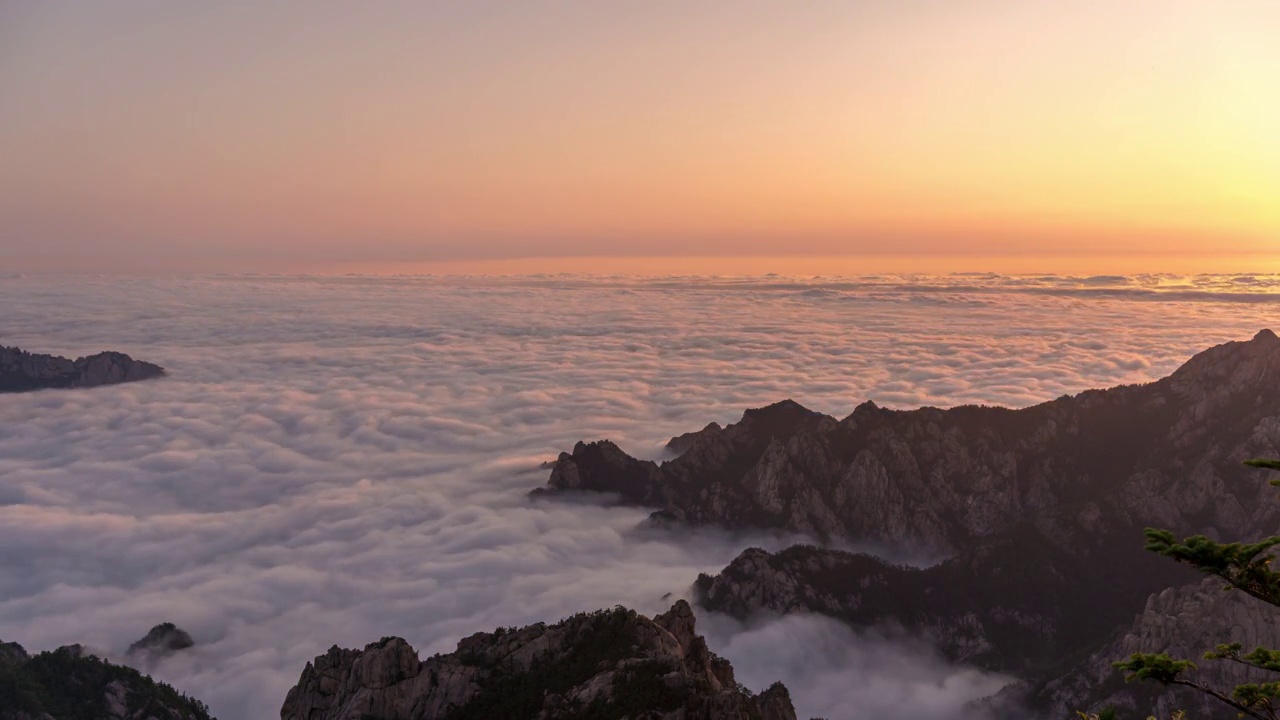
x=236, y=135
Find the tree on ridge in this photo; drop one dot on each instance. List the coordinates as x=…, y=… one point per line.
x=1245, y=567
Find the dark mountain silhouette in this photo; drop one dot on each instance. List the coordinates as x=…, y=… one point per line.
x=21, y=371
x=601, y=665
x=1040, y=510
x=71, y=683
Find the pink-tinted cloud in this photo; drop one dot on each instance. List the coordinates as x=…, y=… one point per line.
x=332, y=460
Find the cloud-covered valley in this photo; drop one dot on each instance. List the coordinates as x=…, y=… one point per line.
x=336, y=459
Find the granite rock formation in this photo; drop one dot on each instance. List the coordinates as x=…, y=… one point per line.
x=159, y=642
x=606, y=664
x=1185, y=622
x=21, y=371
x=1040, y=510
x=680, y=443
x=1004, y=607
x=1165, y=453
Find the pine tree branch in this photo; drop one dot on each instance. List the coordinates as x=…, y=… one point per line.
x=1245, y=567
x=1267, y=713
x=1246, y=663
x=1260, y=657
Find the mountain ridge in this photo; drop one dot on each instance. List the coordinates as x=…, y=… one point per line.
x=592, y=666
x=73, y=682
x=22, y=371
x=1044, y=504
x=764, y=470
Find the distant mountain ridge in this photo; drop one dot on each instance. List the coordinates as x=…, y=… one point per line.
x=1040, y=509
x=21, y=371
x=943, y=478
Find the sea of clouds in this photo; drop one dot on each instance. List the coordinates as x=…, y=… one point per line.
x=335, y=459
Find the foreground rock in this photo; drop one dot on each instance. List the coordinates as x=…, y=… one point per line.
x=606, y=664
x=21, y=371
x=71, y=684
x=1040, y=509
x=1185, y=622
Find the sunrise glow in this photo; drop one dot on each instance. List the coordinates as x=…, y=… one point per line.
x=170, y=136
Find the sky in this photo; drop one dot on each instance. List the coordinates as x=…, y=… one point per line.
x=298, y=135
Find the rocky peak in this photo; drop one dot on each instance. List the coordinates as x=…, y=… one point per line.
x=781, y=419
x=159, y=642
x=1236, y=363
x=12, y=653
x=21, y=371
x=602, y=466
x=775, y=703
x=680, y=622
x=864, y=409
x=613, y=663
x=75, y=651
x=680, y=443
x=1037, y=507
x=783, y=410
x=937, y=479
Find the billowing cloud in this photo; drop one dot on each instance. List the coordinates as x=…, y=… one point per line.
x=835, y=672
x=332, y=460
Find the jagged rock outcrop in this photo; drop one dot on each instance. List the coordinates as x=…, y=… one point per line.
x=603, y=467
x=1040, y=509
x=1166, y=453
x=1184, y=622
x=1018, y=605
x=680, y=443
x=70, y=683
x=21, y=371
x=606, y=664
x=12, y=653
x=987, y=609
x=159, y=642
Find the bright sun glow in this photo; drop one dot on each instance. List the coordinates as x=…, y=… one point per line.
x=445, y=133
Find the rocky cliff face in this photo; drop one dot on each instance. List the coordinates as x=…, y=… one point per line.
x=607, y=664
x=1185, y=622
x=71, y=684
x=22, y=371
x=1019, y=604
x=1040, y=509
x=1167, y=453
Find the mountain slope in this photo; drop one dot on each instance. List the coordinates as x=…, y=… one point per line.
x=1166, y=453
x=1185, y=622
x=1040, y=509
x=69, y=684
x=604, y=665
x=1019, y=605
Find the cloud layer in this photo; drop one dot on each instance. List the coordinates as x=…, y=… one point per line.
x=332, y=460
x=834, y=672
